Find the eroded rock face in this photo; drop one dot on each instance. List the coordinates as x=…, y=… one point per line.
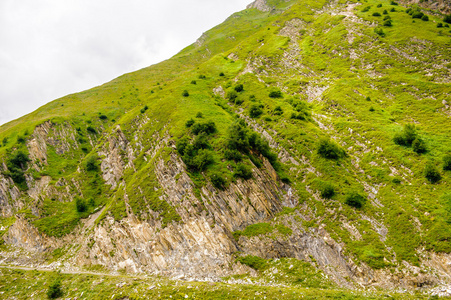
x=261, y=5
x=444, y=6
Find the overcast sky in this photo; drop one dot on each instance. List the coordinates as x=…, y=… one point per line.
x=51, y=48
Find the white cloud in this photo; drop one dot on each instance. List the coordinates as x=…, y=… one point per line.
x=51, y=48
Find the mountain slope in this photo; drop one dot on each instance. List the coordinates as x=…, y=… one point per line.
x=309, y=130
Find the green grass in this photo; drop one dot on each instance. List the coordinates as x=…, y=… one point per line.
x=21, y=284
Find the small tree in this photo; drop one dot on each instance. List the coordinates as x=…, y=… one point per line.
x=91, y=163
x=185, y=93
x=419, y=146
x=329, y=149
x=355, y=200
x=431, y=173
x=255, y=111
x=55, y=290
x=239, y=88
x=80, y=204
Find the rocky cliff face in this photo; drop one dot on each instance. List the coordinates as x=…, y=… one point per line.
x=444, y=6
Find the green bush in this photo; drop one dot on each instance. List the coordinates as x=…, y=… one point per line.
x=143, y=110
x=417, y=15
x=55, y=290
x=218, y=180
x=329, y=149
x=393, y=3
x=379, y=5
x=238, y=137
x=181, y=145
x=239, y=88
x=91, y=163
x=193, y=82
x=447, y=162
x=81, y=204
x=425, y=18
x=407, y=136
x=387, y=23
x=431, y=173
x=91, y=130
x=276, y=94
x=201, y=141
x=376, y=14
x=202, y=77
x=197, y=160
x=355, y=200
x=208, y=127
x=221, y=74
x=254, y=262
x=392, y=9
x=367, y=8
x=232, y=95
x=419, y=146
x=278, y=111
x=16, y=164
x=103, y=117
x=243, y=171
x=385, y=12
x=439, y=25
x=379, y=32
x=232, y=154
x=199, y=115
x=447, y=19
x=327, y=190
x=255, y=110
x=185, y=93
x=189, y=123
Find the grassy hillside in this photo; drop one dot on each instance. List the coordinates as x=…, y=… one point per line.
x=357, y=93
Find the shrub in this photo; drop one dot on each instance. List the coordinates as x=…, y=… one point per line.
x=425, y=18
x=202, y=77
x=371, y=108
x=243, y=171
x=393, y=3
x=255, y=110
x=238, y=137
x=5, y=141
x=143, y=110
x=233, y=155
x=439, y=25
x=447, y=162
x=199, y=161
x=327, y=190
x=355, y=200
x=367, y=8
x=103, y=117
x=91, y=163
x=218, y=181
x=16, y=165
x=80, y=204
x=208, y=127
x=329, y=149
x=407, y=136
x=419, y=146
x=21, y=139
x=189, y=123
x=278, y=111
x=201, y=141
x=91, y=130
x=199, y=115
x=385, y=12
x=181, y=145
x=276, y=94
x=232, y=95
x=387, y=18
x=447, y=19
x=379, y=32
x=417, y=15
x=376, y=14
x=185, y=93
x=193, y=82
x=254, y=262
x=387, y=23
x=392, y=9
x=431, y=173
x=239, y=88
x=55, y=290
x=379, y=5
x=221, y=74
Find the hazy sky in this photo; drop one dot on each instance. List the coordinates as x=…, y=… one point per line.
x=51, y=48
